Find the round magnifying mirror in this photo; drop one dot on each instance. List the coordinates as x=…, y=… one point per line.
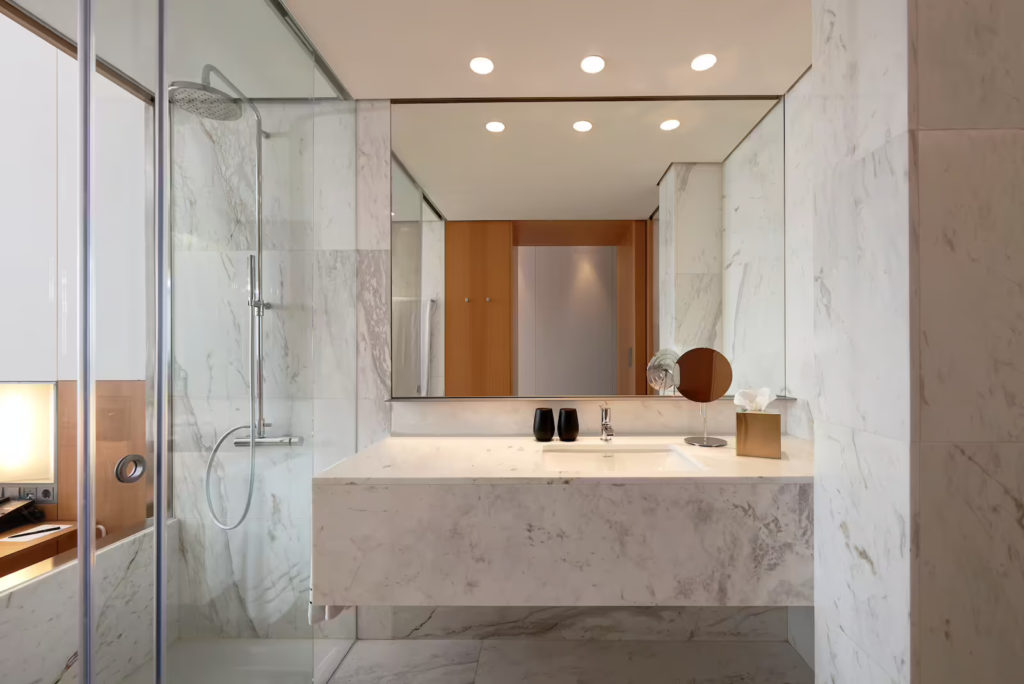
x=704, y=376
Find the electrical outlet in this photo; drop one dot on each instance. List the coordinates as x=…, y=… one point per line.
x=29, y=493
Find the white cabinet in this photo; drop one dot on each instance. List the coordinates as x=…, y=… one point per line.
x=120, y=224
x=28, y=207
x=39, y=217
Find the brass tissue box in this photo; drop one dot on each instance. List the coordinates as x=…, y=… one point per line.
x=759, y=434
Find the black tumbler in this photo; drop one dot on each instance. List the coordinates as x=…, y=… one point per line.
x=568, y=425
x=543, y=424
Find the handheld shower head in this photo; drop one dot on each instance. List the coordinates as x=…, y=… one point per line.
x=204, y=101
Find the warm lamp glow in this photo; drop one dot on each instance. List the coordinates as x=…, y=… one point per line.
x=27, y=432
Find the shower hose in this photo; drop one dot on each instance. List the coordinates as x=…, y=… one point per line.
x=222, y=524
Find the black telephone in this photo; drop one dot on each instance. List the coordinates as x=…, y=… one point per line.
x=18, y=512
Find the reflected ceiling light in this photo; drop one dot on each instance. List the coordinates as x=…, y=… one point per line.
x=592, y=64
x=494, y=126
x=582, y=126
x=669, y=124
x=481, y=65
x=703, y=62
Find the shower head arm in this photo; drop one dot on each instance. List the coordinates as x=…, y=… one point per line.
x=209, y=69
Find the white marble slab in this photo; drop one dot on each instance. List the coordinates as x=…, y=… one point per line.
x=523, y=660
x=631, y=416
x=545, y=662
x=443, y=521
x=410, y=662
x=967, y=60
x=971, y=285
x=373, y=174
x=499, y=460
x=970, y=562
x=799, y=249
x=862, y=552
x=39, y=625
x=624, y=623
x=753, y=256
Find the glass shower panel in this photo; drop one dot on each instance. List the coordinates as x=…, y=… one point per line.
x=242, y=151
x=123, y=351
x=98, y=210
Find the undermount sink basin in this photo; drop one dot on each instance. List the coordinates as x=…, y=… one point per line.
x=614, y=458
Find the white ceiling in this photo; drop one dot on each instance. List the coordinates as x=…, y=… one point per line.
x=540, y=168
x=421, y=48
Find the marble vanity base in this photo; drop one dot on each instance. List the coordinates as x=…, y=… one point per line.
x=560, y=543
x=580, y=623
x=552, y=662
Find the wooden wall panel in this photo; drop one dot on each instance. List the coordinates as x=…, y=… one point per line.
x=120, y=430
x=571, y=233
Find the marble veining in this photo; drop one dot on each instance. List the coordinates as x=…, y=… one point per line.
x=859, y=109
x=528, y=662
x=966, y=61
x=553, y=662
x=862, y=541
x=378, y=540
x=801, y=373
x=40, y=636
x=971, y=285
x=690, y=256
x=474, y=460
x=373, y=240
x=623, y=623
x=970, y=562
x=631, y=416
x=753, y=243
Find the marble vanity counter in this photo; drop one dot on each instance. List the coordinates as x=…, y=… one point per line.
x=507, y=521
x=478, y=460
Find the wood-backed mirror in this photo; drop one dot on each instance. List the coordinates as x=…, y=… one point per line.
x=705, y=375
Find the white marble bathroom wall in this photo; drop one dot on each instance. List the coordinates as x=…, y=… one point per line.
x=753, y=257
x=254, y=581
x=629, y=623
x=801, y=376
x=373, y=242
x=690, y=257
x=861, y=270
x=968, y=163
x=39, y=631
x=510, y=416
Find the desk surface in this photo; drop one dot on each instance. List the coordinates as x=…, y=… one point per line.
x=17, y=555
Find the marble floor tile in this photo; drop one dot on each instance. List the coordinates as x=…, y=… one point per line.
x=410, y=662
x=640, y=662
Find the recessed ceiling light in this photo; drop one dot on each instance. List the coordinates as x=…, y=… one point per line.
x=583, y=126
x=592, y=64
x=494, y=126
x=481, y=65
x=669, y=124
x=703, y=62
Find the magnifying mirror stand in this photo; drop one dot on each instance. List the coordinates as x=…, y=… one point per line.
x=705, y=441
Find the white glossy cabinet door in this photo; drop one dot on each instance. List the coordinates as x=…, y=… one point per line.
x=28, y=205
x=119, y=227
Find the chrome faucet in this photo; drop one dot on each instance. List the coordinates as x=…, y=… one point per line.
x=607, y=431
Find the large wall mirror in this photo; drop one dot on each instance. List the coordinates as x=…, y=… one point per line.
x=549, y=248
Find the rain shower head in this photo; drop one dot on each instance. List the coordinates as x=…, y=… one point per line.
x=205, y=101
